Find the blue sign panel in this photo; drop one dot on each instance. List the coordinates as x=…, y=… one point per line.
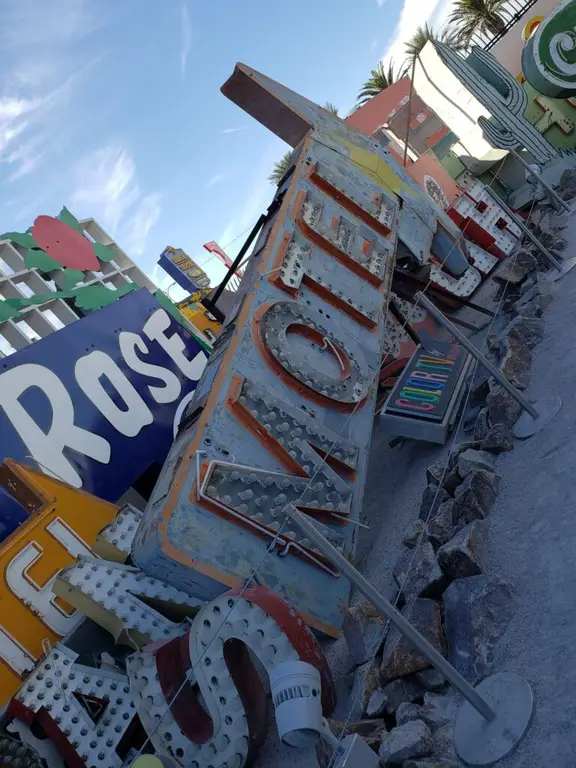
x=12, y=514
x=183, y=270
x=98, y=402
x=176, y=274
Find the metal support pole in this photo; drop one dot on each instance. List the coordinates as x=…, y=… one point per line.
x=488, y=727
x=391, y=613
x=537, y=418
x=518, y=221
x=425, y=302
x=547, y=186
x=409, y=108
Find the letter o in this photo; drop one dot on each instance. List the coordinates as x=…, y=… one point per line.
x=285, y=317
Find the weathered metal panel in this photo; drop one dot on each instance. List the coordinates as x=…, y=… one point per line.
x=95, y=403
x=293, y=376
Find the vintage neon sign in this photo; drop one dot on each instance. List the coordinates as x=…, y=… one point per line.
x=183, y=269
x=503, y=96
x=94, y=716
x=61, y=527
x=548, y=59
x=293, y=376
x=428, y=381
x=231, y=726
x=59, y=244
x=95, y=404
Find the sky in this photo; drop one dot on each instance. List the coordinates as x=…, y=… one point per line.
x=113, y=108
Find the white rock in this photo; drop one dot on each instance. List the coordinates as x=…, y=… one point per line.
x=413, y=739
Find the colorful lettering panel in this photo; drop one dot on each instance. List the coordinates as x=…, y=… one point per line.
x=428, y=381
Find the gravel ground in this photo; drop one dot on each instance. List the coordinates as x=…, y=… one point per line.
x=530, y=543
x=395, y=482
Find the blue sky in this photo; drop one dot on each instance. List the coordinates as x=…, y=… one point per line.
x=113, y=107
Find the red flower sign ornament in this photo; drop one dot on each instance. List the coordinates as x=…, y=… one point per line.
x=64, y=244
x=60, y=244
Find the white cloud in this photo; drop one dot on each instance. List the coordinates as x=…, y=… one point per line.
x=14, y=119
x=107, y=188
x=37, y=22
x=414, y=14
x=106, y=181
x=226, y=131
x=38, y=83
x=217, y=179
x=186, y=26
x=380, y=3
x=140, y=223
x=28, y=126
x=12, y=108
x=26, y=157
x=17, y=116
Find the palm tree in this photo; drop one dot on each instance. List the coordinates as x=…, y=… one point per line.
x=380, y=78
x=280, y=168
x=477, y=17
x=423, y=34
x=329, y=107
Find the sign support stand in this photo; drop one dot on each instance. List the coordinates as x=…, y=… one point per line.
x=536, y=417
x=563, y=268
x=547, y=186
x=496, y=714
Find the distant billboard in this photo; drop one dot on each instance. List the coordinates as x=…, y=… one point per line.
x=183, y=270
x=214, y=248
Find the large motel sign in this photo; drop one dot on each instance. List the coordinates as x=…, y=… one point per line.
x=292, y=379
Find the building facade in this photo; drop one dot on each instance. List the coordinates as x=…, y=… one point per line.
x=388, y=115
x=23, y=285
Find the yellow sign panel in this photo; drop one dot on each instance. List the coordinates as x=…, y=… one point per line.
x=200, y=318
x=63, y=524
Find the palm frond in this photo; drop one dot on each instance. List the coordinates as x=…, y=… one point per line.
x=380, y=78
x=477, y=17
x=329, y=107
x=422, y=35
x=280, y=168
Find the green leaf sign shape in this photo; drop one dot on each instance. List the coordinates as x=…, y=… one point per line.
x=20, y=238
x=68, y=218
x=35, y=258
x=72, y=277
x=104, y=253
x=6, y=311
x=93, y=297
